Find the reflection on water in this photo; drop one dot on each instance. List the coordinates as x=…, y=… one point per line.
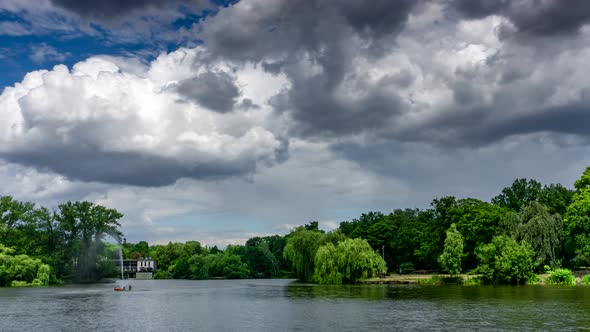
x=277, y=305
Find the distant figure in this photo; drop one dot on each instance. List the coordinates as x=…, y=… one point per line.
x=123, y=287
x=129, y=287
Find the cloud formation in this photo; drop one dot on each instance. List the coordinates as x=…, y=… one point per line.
x=370, y=106
x=99, y=122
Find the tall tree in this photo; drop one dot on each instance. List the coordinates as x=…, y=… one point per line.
x=84, y=225
x=450, y=260
x=556, y=198
x=577, y=221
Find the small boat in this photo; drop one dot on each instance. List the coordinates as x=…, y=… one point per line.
x=119, y=289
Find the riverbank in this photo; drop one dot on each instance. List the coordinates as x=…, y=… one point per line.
x=439, y=279
x=409, y=279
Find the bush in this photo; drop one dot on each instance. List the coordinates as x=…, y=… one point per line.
x=455, y=280
x=406, y=268
x=161, y=274
x=561, y=277
x=505, y=261
x=586, y=279
x=434, y=280
x=19, y=283
x=533, y=279
x=472, y=281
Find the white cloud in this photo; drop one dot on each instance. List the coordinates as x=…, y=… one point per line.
x=98, y=111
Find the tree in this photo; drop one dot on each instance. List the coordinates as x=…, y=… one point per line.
x=519, y=194
x=83, y=226
x=22, y=270
x=300, y=249
x=17, y=224
x=556, y=198
x=347, y=262
x=505, y=261
x=543, y=231
x=450, y=260
x=577, y=221
x=478, y=223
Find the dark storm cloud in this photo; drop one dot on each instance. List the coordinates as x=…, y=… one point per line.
x=474, y=9
x=87, y=163
x=534, y=17
x=123, y=168
x=216, y=91
x=111, y=9
x=282, y=34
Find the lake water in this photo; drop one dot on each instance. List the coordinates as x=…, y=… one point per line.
x=283, y=305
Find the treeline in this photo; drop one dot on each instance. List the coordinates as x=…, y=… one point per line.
x=39, y=246
x=260, y=257
x=527, y=228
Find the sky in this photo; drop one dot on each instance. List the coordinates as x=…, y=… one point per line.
x=222, y=120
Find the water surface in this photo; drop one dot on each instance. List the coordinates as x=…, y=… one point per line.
x=283, y=305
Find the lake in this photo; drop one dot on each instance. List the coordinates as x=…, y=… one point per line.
x=283, y=305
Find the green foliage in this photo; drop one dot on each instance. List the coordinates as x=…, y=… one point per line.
x=22, y=270
x=544, y=232
x=586, y=279
x=300, y=249
x=533, y=279
x=347, y=262
x=405, y=268
x=518, y=195
x=505, y=261
x=162, y=274
x=83, y=226
x=577, y=221
x=584, y=181
x=561, y=277
x=450, y=260
x=556, y=198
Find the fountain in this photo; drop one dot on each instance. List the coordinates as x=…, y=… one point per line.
x=121, y=288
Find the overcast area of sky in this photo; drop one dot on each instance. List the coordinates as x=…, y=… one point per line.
x=218, y=121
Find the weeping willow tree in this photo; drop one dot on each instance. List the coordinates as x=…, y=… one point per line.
x=542, y=230
x=346, y=262
x=300, y=249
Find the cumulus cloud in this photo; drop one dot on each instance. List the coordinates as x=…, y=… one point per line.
x=368, y=106
x=97, y=122
x=406, y=70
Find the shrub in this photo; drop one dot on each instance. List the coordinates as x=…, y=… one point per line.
x=458, y=280
x=561, y=277
x=533, y=279
x=473, y=281
x=406, y=268
x=434, y=280
x=161, y=274
x=586, y=279
x=505, y=261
